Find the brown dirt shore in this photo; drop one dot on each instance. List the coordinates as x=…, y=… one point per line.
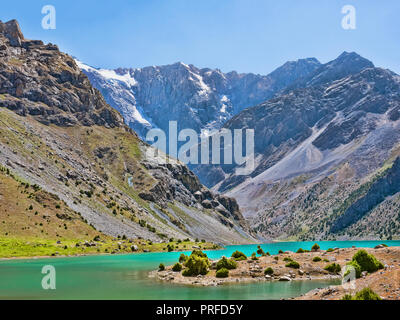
x=385, y=282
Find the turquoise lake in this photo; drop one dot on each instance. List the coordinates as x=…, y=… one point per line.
x=126, y=276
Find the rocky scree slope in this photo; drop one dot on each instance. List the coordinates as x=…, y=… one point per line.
x=57, y=131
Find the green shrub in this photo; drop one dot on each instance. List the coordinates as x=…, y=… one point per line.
x=269, y=271
x=260, y=251
x=364, y=294
x=316, y=259
x=300, y=250
x=161, y=267
x=186, y=273
x=183, y=258
x=287, y=259
x=329, y=250
x=196, y=264
x=276, y=258
x=238, y=256
x=333, y=267
x=366, y=261
x=315, y=247
x=222, y=273
x=280, y=251
x=325, y=260
x=293, y=264
x=226, y=263
x=177, y=267
x=253, y=256
x=199, y=253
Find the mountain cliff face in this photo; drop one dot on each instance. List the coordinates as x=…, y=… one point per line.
x=57, y=132
x=197, y=98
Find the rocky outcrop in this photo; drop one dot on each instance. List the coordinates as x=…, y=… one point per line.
x=48, y=84
x=177, y=183
x=12, y=31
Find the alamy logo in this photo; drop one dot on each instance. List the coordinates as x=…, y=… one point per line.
x=196, y=148
x=349, y=20
x=349, y=278
x=49, y=20
x=49, y=280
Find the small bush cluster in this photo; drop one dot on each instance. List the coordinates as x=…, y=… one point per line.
x=333, y=267
x=226, y=263
x=363, y=261
x=316, y=259
x=367, y=261
x=183, y=258
x=177, y=267
x=196, y=264
x=222, y=273
x=260, y=251
x=364, y=294
x=292, y=264
x=238, y=256
x=315, y=247
x=161, y=267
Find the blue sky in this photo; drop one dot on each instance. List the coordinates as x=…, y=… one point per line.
x=244, y=35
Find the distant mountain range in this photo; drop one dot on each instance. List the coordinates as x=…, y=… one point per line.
x=324, y=134
x=197, y=98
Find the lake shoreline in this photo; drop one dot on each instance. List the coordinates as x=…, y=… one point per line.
x=93, y=254
x=82, y=277
x=54, y=249
x=250, y=270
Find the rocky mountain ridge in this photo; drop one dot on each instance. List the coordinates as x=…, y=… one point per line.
x=314, y=146
x=198, y=99
x=58, y=132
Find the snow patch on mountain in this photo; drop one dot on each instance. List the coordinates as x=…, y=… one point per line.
x=196, y=98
